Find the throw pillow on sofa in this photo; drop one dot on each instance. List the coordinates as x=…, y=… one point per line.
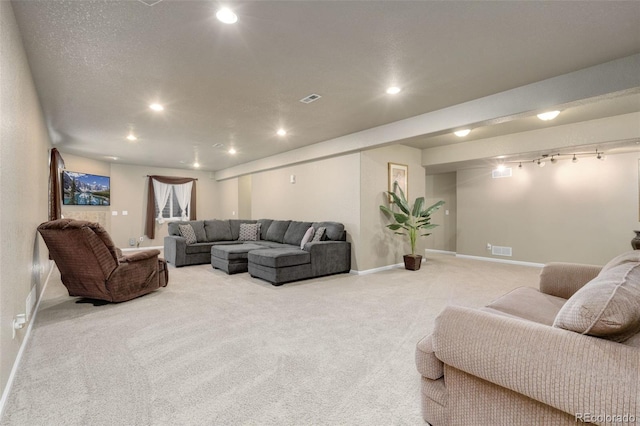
x=307, y=237
x=607, y=306
x=319, y=234
x=188, y=233
x=249, y=232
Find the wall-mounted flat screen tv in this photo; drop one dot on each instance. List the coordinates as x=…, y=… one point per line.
x=83, y=189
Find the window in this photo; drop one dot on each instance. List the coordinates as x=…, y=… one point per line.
x=172, y=201
x=172, y=210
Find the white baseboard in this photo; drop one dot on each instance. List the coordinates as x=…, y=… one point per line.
x=452, y=253
x=493, y=259
x=374, y=270
x=16, y=363
x=380, y=269
x=142, y=248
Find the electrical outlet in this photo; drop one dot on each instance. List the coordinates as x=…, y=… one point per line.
x=488, y=246
x=132, y=242
x=141, y=239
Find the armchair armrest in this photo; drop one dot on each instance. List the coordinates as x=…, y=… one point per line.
x=569, y=371
x=564, y=279
x=138, y=256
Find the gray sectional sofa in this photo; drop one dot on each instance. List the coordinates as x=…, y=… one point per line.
x=275, y=255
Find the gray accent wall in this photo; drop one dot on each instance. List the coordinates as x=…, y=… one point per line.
x=24, y=174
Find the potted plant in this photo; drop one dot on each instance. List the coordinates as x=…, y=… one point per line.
x=411, y=220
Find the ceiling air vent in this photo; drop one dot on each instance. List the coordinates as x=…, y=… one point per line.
x=310, y=98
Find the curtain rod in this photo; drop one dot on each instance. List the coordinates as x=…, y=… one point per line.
x=177, y=177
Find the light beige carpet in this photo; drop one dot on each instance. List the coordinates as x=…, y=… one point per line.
x=213, y=349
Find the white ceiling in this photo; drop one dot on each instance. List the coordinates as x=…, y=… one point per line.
x=98, y=64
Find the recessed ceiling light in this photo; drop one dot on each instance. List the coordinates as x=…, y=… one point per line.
x=549, y=115
x=226, y=16
x=156, y=107
x=111, y=158
x=196, y=164
x=131, y=137
x=462, y=133
x=232, y=151
x=281, y=132
x=394, y=90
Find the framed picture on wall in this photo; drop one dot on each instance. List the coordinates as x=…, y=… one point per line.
x=399, y=173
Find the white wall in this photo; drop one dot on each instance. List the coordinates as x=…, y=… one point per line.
x=24, y=173
x=584, y=212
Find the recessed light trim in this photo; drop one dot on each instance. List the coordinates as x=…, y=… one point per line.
x=156, y=107
x=462, y=133
x=281, y=132
x=131, y=137
x=394, y=90
x=226, y=16
x=232, y=151
x=549, y=115
x=196, y=164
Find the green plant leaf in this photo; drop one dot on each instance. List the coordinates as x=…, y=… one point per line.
x=417, y=206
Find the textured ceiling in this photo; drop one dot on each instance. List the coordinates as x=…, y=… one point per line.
x=98, y=64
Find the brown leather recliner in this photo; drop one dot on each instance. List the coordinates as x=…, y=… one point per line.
x=92, y=266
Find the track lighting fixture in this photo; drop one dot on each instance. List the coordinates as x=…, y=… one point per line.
x=541, y=160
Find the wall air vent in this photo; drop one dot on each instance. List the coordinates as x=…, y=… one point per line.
x=501, y=251
x=501, y=173
x=310, y=98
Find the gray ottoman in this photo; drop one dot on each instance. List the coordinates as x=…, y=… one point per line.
x=280, y=265
x=231, y=258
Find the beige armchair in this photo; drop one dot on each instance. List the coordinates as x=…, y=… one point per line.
x=91, y=266
x=507, y=364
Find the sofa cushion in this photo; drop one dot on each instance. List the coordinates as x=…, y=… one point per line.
x=264, y=227
x=187, y=232
x=607, y=306
x=235, y=224
x=197, y=225
x=198, y=248
x=249, y=232
x=231, y=252
x=334, y=230
x=218, y=230
x=295, y=232
x=276, y=231
x=279, y=257
x=530, y=304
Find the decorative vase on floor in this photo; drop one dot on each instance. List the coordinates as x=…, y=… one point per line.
x=635, y=242
x=412, y=262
